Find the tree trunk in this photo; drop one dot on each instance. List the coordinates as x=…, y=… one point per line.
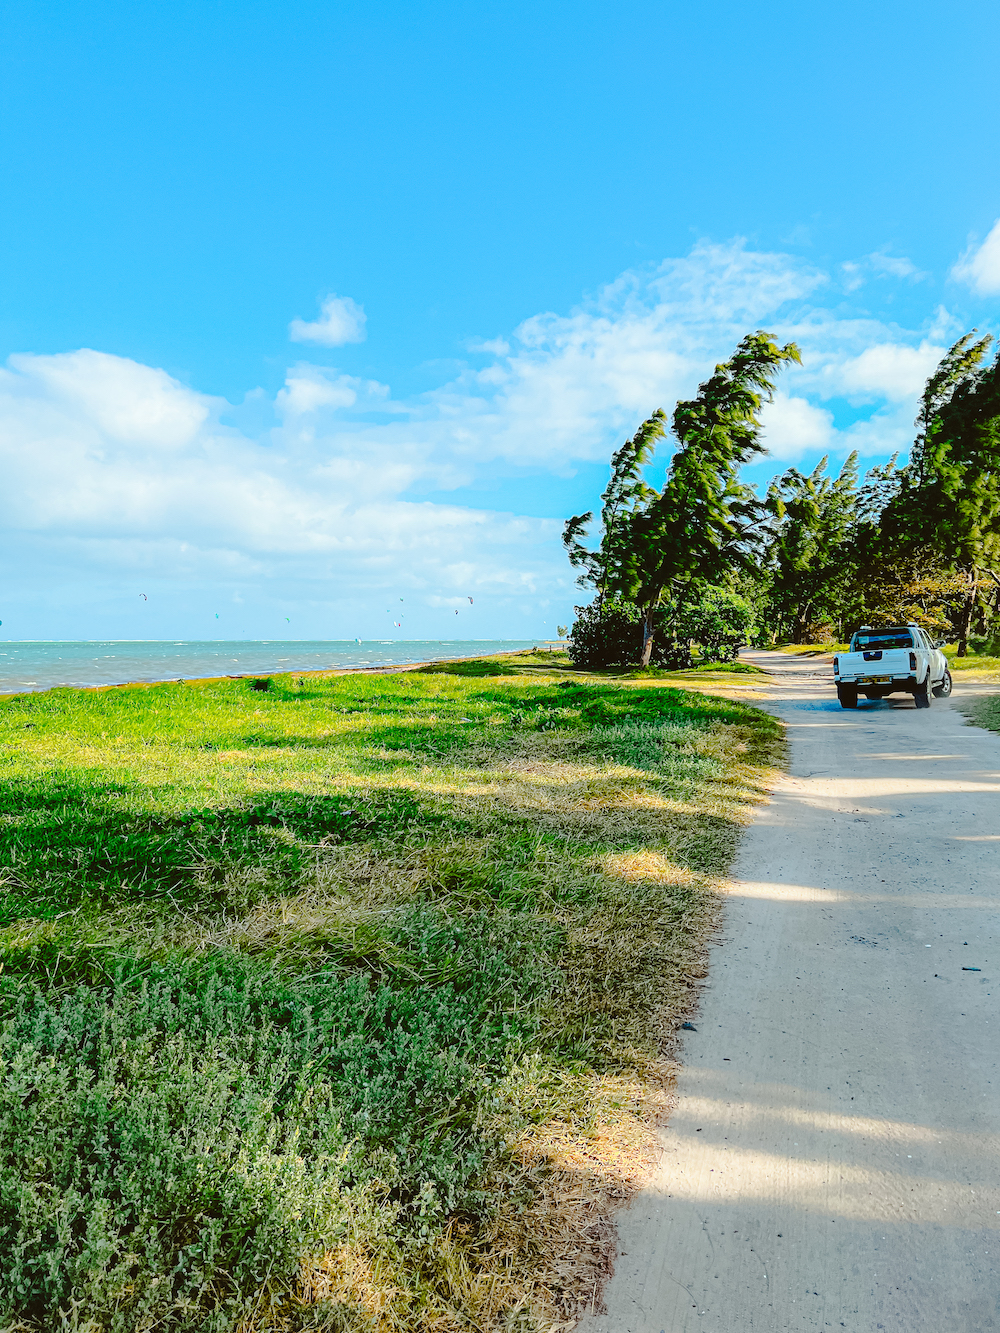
x=801, y=622
x=965, y=620
x=647, y=635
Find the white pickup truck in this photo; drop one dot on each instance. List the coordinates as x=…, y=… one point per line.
x=901, y=659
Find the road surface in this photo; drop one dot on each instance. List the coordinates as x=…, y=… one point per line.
x=834, y=1158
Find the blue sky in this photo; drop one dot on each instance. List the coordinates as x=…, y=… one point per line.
x=527, y=225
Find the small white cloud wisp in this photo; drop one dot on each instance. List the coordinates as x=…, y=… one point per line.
x=979, y=266
x=341, y=321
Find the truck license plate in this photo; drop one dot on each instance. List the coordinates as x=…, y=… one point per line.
x=880, y=680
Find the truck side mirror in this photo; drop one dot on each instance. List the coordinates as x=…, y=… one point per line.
x=939, y=643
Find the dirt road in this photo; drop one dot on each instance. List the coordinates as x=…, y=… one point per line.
x=834, y=1159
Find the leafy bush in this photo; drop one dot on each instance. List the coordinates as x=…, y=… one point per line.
x=720, y=622
x=613, y=637
x=606, y=636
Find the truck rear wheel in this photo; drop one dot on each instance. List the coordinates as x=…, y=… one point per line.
x=922, y=695
x=942, y=690
x=848, y=696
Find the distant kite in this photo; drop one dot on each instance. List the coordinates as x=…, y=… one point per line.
x=470, y=601
x=456, y=610
x=144, y=597
x=216, y=615
x=287, y=620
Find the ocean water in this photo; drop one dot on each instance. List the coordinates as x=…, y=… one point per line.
x=29, y=666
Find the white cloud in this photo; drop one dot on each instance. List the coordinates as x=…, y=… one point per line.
x=979, y=266
x=112, y=466
x=943, y=327
x=90, y=486
x=341, y=321
x=793, y=427
x=887, y=431
x=569, y=384
x=569, y=387
x=121, y=398
x=888, y=370
x=895, y=266
x=311, y=388
x=490, y=346
x=880, y=264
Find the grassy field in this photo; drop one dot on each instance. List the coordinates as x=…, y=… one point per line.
x=346, y=1002
x=810, y=649
x=978, y=664
x=982, y=709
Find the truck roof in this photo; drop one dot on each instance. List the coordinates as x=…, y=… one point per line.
x=886, y=629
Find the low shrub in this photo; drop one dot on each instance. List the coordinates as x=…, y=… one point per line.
x=611, y=636
x=605, y=636
x=172, y=1140
x=720, y=622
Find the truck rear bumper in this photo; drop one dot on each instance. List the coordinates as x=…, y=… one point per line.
x=879, y=682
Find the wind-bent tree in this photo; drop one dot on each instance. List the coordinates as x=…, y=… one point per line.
x=948, y=507
x=624, y=493
x=698, y=525
x=886, y=581
x=813, y=519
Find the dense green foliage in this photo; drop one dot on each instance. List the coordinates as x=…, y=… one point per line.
x=272, y=963
x=820, y=555
x=659, y=548
x=721, y=621
x=813, y=518
x=609, y=633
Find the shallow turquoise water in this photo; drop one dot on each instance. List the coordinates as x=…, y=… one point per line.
x=40, y=665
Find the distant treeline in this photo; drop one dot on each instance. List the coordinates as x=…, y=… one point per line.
x=706, y=560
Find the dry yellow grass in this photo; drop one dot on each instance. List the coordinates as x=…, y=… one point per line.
x=542, y=1260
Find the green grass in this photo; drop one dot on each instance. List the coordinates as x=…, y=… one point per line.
x=290, y=978
x=982, y=712
x=810, y=649
x=972, y=662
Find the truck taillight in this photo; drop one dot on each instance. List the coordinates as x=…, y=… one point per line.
x=913, y=661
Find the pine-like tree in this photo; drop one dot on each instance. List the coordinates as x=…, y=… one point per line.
x=657, y=545
x=948, y=507
x=814, y=516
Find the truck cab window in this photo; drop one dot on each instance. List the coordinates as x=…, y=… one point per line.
x=867, y=643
